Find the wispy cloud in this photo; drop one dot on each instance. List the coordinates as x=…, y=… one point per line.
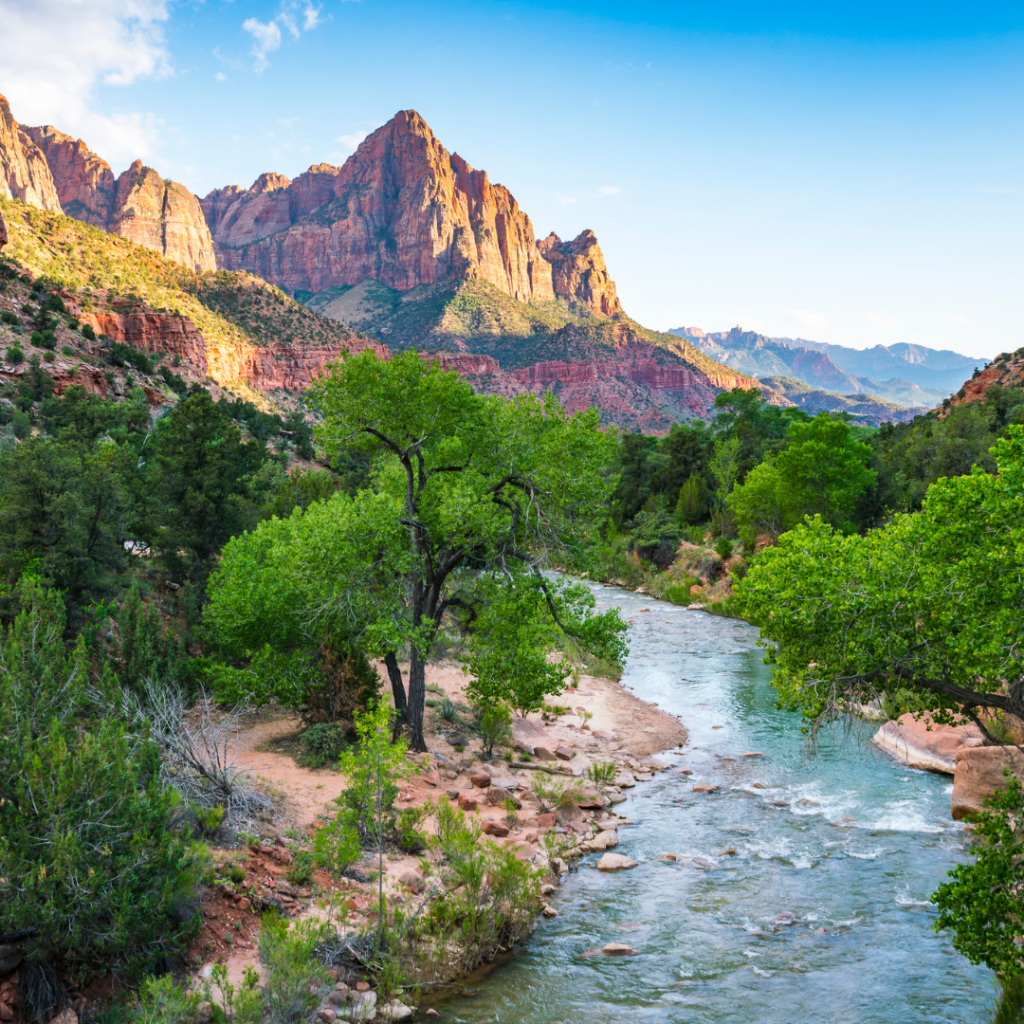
x=569, y=198
x=812, y=321
x=351, y=142
x=880, y=320
x=267, y=36
x=55, y=52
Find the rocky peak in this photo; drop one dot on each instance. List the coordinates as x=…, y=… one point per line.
x=270, y=181
x=24, y=172
x=85, y=183
x=578, y=272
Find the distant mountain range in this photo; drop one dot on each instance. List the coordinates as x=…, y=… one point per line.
x=909, y=375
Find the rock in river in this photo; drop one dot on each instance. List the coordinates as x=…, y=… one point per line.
x=615, y=862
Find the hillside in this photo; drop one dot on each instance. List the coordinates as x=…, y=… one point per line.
x=241, y=333
x=867, y=409
x=1005, y=371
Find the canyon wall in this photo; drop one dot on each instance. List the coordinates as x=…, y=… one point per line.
x=24, y=172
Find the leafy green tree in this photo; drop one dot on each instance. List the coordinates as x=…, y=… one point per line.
x=981, y=903
x=656, y=536
x=636, y=462
x=928, y=610
x=92, y=868
x=692, y=504
x=203, y=484
x=725, y=468
x=762, y=504
x=484, y=486
x=65, y=511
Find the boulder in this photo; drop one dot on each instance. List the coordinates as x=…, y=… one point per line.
x=543, y=754
x=704, y=787
x=497, y=795
x=624, y=780
x=605, y=840
x=549, y=912
x=395, y=1011
x=480, y=779
x=364, y=1006
x=921, y=743
x=564, y=753
x=470, y=800
x=546, y=821
x=590, y=798
x=979, y=773
x=493, y=828
x=615, y=862
x=412, y=879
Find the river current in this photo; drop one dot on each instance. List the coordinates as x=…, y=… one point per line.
x=841, y=837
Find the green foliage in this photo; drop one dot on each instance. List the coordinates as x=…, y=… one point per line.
x=495, y=728
x=602, y=773
x=300, y=871
x=322, y=742
x=931, y=598
x=656, y=536
x=981, y=902
x=209, y=819
x=15, y=354
x=299, y=491
x=90, y=860
x=143, y=651
x=1011, y=1003
x=692, y=504
x=723, y=548
x=163, y=1001
x=294, y=974
x=552, y=792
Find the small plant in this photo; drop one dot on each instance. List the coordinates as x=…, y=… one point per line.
x=551, y=792
x=410, y=839
x=511, y=812
x=321, y=743
x=88, y=333
x=723, y=548
x=300, y=871
x=236, y=874
x=586, y=716
x=494, y=728
x=449, y=712
x=602, y=773
x=524, y=756
x=208, y=818
x=15, y=354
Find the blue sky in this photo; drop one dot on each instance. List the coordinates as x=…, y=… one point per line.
x=850, y=174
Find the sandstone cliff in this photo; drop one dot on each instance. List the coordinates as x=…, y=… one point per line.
x=3, y=232
x=24, y=172
x=405, y=212
x=85, y=183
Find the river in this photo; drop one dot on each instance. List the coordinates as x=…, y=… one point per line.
x=841, y=837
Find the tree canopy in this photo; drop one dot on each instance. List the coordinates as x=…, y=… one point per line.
x=471, y=498
x=928, y=609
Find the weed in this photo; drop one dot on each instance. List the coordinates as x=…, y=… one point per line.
x=602, y=773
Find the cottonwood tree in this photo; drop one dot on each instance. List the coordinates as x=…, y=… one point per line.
x=927, y=611
x=481, y=487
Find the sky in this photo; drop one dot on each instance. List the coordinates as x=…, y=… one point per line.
x=850, y=173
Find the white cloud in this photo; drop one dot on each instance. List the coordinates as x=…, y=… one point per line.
x=814, y=321
x=880, y=320
x=266, y=39
x=608, y=190
x=221, y=77
x=55, y=52
x=267, y=35
x=351, y=142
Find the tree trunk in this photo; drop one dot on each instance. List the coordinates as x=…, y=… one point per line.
x=417, y=691
x=398, y=693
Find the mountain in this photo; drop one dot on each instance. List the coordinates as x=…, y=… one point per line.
x=906, y=374
x=867, y=409
x=1006, y=371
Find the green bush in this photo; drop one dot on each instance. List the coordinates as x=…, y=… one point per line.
x=91, y=862
x=602, y=773
x=88, y=333
x=321, y=743
x=15, y=354
x=495, y=728
x=7, y=317
x=300, y=872
x=724, y=548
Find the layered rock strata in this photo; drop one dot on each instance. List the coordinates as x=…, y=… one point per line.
x=152, y=332
x=85, y=183
x=24, y=172
x=578, y=272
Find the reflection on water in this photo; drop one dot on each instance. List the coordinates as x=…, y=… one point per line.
x=844, y=840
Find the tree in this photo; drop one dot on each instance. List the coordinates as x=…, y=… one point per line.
x=203, y=484
x=92, y=868
x=725, y=468
x=485, y=486
x=762, y=504
x=692, y=504
x=928, y=610
x=656, y=536
x=982, y=901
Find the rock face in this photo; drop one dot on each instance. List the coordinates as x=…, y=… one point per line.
x=578, y=270
x=43, y=167
x=163, y=216
x=3, y=232
x=923, y=744
x=152, y=332
x=24, y=172
x=85, y=183
x=979, y=773
x=405, y=212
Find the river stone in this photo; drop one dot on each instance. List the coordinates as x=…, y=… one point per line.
x=616, y=798
x=480, y=779
x=624, y=780
x=545, y=821
x=494, y=828
x=617, y=949
x=924, y=744
x=615, y=862
x=470, y=800
x=704, y=787
x=979, y=773
x=543, y=754
x=325, y=1014
x=604, y=840
x=395, y=1011
x=549, y=912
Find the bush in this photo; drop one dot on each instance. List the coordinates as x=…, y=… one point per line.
x=88, y=333
x=348, y=685
x=602, y=773
x=92, y=864
x=724, y=548
x=300, y=872
x=321, y=743
x=495, y=728
x=6, y=317
x=15, y=354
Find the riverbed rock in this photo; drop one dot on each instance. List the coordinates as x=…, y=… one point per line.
x=617, y=949
x=979, y=773
x=546, y=821
x=922, y=743
x=704, y=787
x=395, y=1011
x=605, y=840
x=543, y=754
x=481, y=780
x=624, y=780
x=364, y=1006
x=616, y=798
x=412, y=879
x=549, y=912
x=615, y=862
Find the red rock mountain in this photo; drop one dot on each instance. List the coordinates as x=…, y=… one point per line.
x=405, y=212
x=48, y=169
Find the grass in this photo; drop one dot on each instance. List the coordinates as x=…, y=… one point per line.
x=1011, y=1003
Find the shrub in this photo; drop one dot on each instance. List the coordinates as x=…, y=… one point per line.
x=92, y=864
x=21, y=424
x=88, y=333
x=7, y=317
x=347, y=686
x=321, y=743
x=494, y=728
x=723, y=548
x=679, y=593
x=602, y=773
x=300, y=872
x=15, y=354
x=209, y=818
x=294, y=974
x=67, y=350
